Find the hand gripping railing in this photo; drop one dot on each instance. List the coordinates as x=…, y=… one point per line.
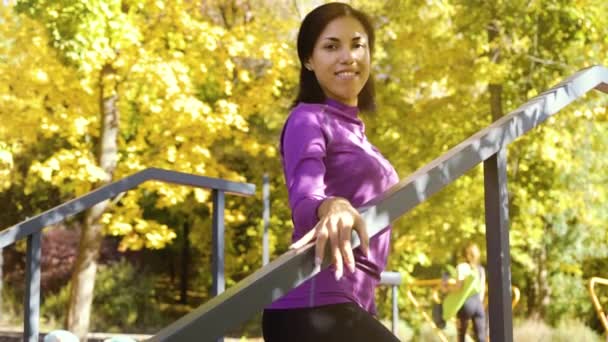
x=218, y=315
x=32, y=229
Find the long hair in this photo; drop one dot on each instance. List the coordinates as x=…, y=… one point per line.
x=311, y=28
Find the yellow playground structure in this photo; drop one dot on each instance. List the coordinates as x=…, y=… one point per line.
x=596, y=301
x=434, y=285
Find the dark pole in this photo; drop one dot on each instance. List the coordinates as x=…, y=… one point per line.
x=218, y=242
x=185, y=264
x=31, y=301
x=497, y=238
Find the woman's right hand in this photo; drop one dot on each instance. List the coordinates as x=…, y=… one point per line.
x=337, y=219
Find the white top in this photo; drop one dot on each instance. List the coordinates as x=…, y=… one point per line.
x=464, y=269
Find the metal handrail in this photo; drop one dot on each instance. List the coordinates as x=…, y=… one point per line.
x=32, y=228
x=596, y=302
x=272, y=281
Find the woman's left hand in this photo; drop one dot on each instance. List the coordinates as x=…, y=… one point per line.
x=337, y=219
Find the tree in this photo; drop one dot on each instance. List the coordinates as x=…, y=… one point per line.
x=183, y=87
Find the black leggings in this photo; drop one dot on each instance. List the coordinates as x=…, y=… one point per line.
x=336, y=322
x=472, y=310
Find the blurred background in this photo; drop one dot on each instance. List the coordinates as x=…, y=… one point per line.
x=92, y=91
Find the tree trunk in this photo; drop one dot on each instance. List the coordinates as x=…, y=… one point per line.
x=542, y=287
x=83, y=276
x=495, y=89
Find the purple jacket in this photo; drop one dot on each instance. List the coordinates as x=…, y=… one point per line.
x=326, y=153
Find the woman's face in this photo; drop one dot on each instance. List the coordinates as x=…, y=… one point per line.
x=341, y=60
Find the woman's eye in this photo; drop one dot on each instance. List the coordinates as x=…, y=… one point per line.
x=359, y=45
x=330, y=47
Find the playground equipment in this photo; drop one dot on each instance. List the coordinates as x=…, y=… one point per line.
x=596, y=302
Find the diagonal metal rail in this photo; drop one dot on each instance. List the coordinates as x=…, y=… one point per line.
x=216, y=317
x=32, y=228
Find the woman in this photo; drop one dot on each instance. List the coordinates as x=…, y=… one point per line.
x=472, y=309
x=330, y=169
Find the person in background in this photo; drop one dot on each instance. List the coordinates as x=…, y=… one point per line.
x=330, y=169
x=472, y=309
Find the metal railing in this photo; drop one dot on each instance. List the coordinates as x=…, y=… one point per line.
x=31, y=229
x=488, y=146
x=393, y=279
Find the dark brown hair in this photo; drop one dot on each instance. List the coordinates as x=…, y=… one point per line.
x=311, y=28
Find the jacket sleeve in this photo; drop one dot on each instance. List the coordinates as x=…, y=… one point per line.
x=304, y=150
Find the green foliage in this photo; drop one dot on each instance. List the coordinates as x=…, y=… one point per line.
x=576, y=304
x=405, y=333
x=206, y=90
x=125, y=301
x=52, y=308
x=12, y=305
x=574, y=330
x=428, y=334
x=532, y=331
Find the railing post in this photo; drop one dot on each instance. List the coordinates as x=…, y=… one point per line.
x=218, y=242
x=266, y=219
x=393, y=279
x=395, y=309
x=31, y=303
x=497, y=238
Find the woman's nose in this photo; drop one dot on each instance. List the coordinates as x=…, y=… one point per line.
x=348, y=56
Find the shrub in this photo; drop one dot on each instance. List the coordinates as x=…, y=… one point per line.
x=428, y=334
x=405, y=333
x=124, y=301
x=574, y=330
x=532, y=330
x=11, y=311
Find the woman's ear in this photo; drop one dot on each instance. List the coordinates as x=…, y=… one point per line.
x=308, y=66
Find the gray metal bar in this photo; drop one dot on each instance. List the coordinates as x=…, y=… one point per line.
x=31, y=302
x=250, y=295
x=61, y=212
x=185, y=263
x=394, y=280
x=266, y=219
x=390, y=278
x=181, y=178
x=394, y=325
x=218, y=242
x=497, y=237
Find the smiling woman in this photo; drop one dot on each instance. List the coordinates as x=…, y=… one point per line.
x=330, y=169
